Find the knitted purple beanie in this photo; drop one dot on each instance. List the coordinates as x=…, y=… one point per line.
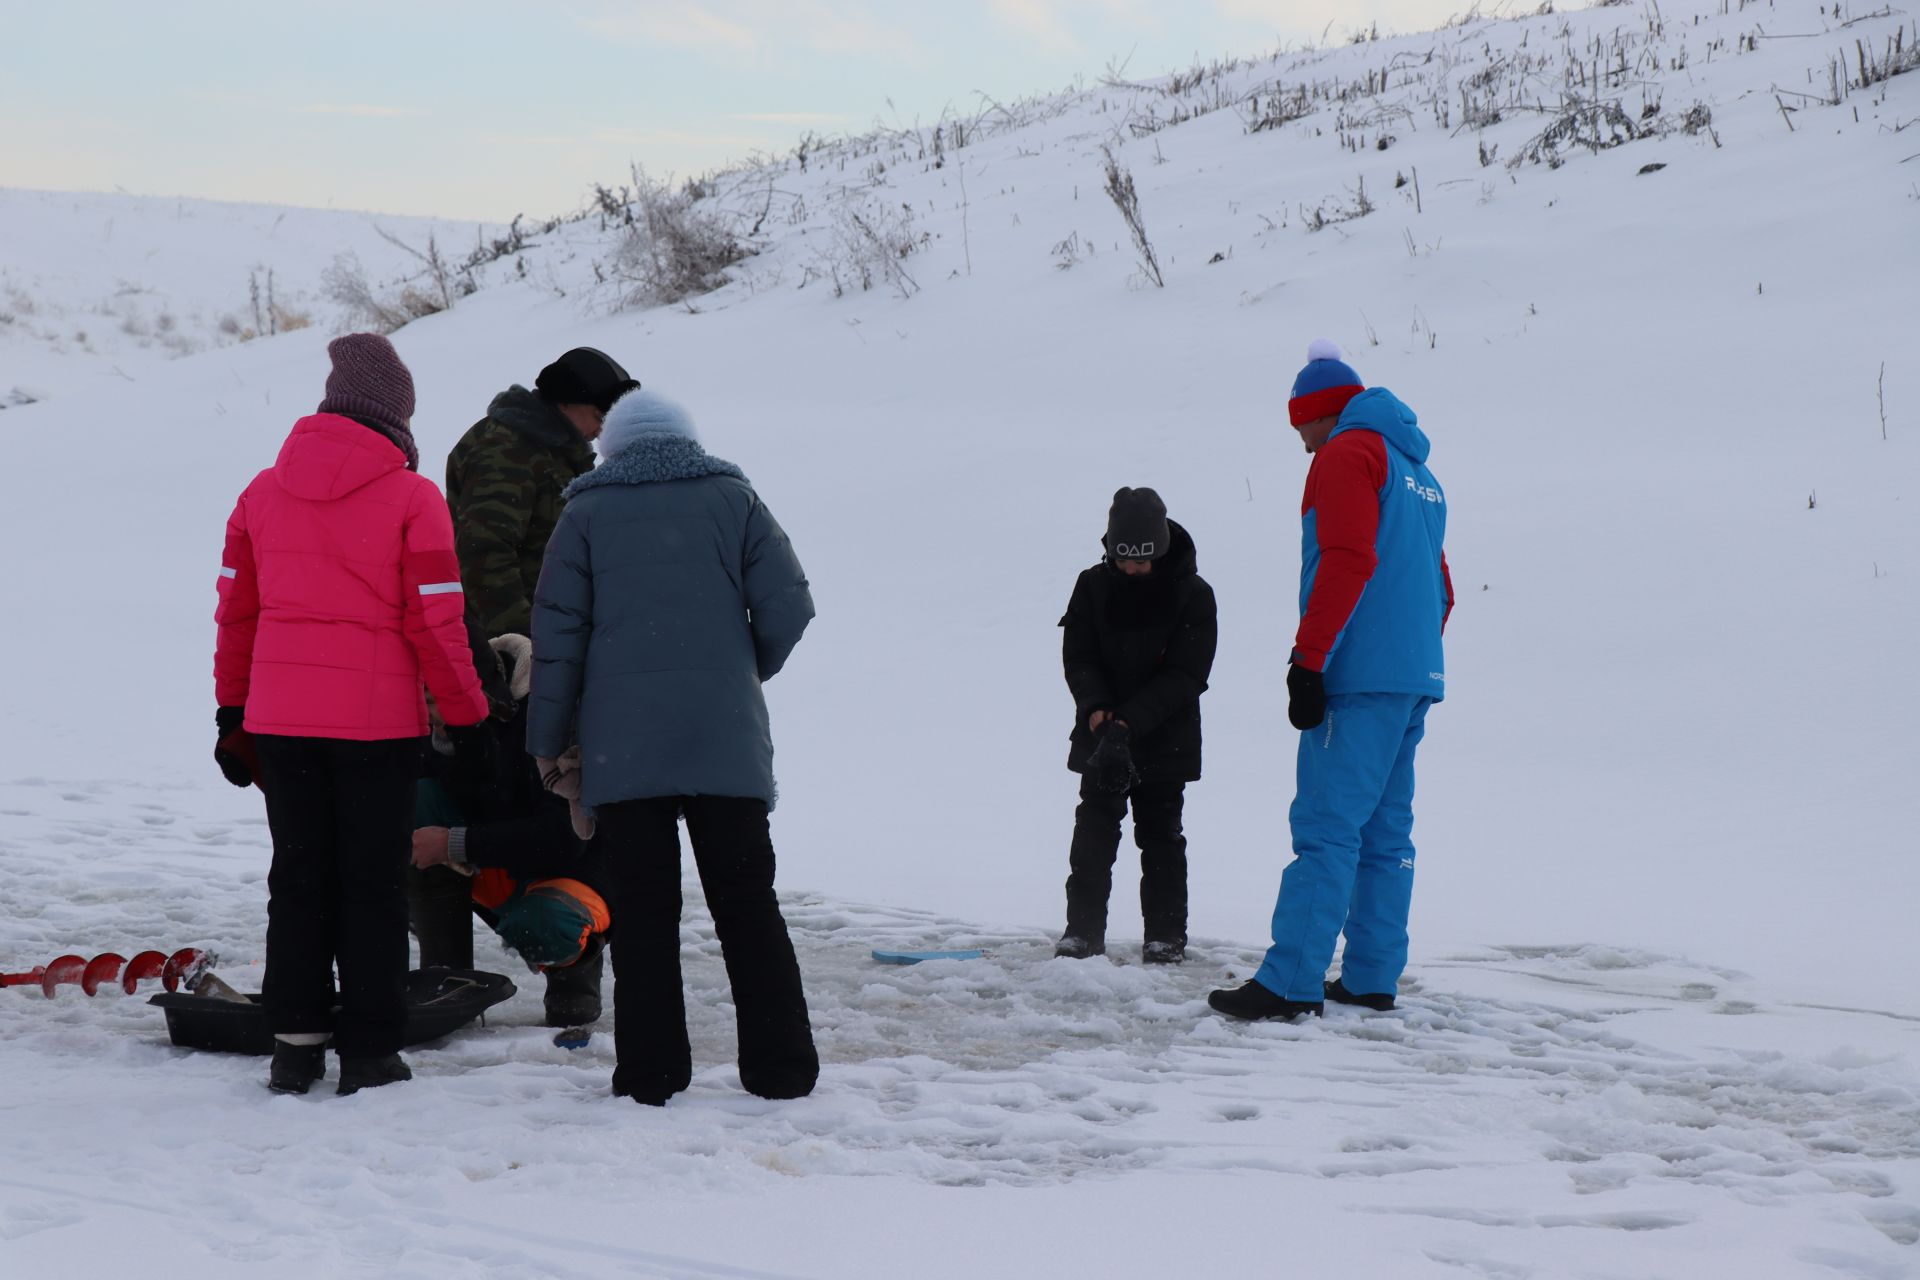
x=369, y=381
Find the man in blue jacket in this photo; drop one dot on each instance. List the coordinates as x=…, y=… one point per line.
x=1366, y=665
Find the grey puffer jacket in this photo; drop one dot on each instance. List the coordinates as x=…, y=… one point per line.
x=667, y=596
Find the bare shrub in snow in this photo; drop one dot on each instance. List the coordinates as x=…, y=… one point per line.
x=1276, y=107
x=869, y=247
x=1899, y=58
x=345, y=284
x=672, y=249
x=1597, y=126
x=1359, y=205
x=438, y=271
x=1121, y=191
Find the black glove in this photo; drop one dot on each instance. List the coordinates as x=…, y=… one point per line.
x=1110, y=767
x=475, y=755
x=1306, y=697
x=233, y=746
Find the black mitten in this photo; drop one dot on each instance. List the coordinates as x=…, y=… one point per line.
x=233, y=746
x=1110, y=767
x=1306, y=697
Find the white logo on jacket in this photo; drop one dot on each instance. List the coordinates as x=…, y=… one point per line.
x=1431, y=495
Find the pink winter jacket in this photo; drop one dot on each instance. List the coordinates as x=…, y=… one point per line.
x=339, y=593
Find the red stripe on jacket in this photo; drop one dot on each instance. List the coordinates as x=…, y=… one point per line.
x=1343, y=493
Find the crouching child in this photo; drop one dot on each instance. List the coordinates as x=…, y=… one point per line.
x=501, y=846
x=1140, y=633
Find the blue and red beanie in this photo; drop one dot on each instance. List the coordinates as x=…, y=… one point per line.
x=1324, y=386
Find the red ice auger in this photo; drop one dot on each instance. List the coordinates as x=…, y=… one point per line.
x=182, y=967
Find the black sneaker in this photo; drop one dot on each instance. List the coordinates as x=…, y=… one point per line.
x=296, y=1066
x=1257, y=1004
x=370, y=1073
x=1163, y=953
x=1074, y=947
x=1379, y=1001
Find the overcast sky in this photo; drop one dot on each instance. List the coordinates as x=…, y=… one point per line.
x=488, y=108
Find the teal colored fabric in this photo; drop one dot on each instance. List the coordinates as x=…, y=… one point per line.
x=543, y=926
x=434, y=807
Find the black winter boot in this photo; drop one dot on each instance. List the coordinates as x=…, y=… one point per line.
x=1379, y=1002
x=296, y=1066
x=1255, y=1003
x=573, y=993
x=1074, y=947
x=370, y=1073
x=1164, y=953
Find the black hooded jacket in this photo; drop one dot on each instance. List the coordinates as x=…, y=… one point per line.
x=1142, y=648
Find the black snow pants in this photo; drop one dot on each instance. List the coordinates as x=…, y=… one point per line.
x=440, y=913
x=733, y=849
x=341, y=814
x=1163, y=860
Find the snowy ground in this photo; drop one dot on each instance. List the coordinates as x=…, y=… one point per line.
x=1527, y=1112
x=1661, y=1019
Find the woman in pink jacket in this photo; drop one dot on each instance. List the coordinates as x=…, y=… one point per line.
x=339, y=594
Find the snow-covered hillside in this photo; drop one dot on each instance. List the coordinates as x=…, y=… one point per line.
x=1662, y=1019
x=98, y=286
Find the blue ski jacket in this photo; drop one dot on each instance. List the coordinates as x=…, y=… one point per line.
x=1375, y=590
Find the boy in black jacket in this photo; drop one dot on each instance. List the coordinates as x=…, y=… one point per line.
x=1140, y=636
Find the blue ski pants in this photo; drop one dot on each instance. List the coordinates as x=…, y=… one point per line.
x=1352, y=870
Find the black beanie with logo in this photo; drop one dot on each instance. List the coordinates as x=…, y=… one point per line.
x=1137, y=526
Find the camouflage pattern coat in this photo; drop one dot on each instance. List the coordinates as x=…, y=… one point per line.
x=504, y=484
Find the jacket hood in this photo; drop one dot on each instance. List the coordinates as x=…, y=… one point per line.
x=652, y=457
x=1378, y=409
x=327, y=457
x=531, y=416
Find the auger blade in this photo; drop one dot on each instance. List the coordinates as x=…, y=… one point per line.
x=148, y=964
x=185, y=965
x=67, y=970
x=102, y=968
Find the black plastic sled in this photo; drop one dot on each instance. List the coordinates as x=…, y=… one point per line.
x=439, y=1002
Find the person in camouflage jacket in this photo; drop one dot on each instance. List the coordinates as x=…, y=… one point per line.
x=505, y=485
x=505, y=478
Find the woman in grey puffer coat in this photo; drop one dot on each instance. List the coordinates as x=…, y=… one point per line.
x=667, y=596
